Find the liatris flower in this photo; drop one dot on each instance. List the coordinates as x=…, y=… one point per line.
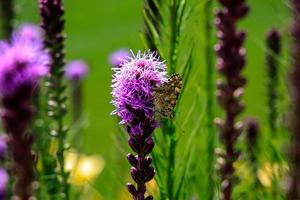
x=294, y=186
x=83, y=169
x=270, y=173
x=231, y=60
x=118, y=57
x=29, y=32
x=273, y=51
x=52, y=12
x=76, y=70
x=133, y=97
x=7, y=16
x=22, y=64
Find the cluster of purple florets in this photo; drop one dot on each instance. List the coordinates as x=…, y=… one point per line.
x=117, y=58
x=23, y=62
x=133, y=84
x=76, y=70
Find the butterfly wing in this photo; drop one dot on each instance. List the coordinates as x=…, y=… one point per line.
x=166, y=95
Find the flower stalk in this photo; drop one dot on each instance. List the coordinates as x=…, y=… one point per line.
x=75, y=72
x=252, y=133
x=52, y=12
x=133, y=97
x=23, y=65
x=273, y=51
x=294, y=185
x=20, y=143
x=230, y=62
x=141, y=143
x=176, y=9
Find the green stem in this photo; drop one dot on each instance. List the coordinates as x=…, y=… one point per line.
x=60, y=155
x=58, y=109
x=170, y=129
x=210, y=99
x=46, y=176
x=171, y=165
x=7, y=15
x=52, y=14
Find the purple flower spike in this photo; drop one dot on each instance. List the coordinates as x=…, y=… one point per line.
x=117, y=58
x=76, y=70
x=23, y=63
x=294, y=182
x=29, y=32
x=230, y=63
x=133, y=97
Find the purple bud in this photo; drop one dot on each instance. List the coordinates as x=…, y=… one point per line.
x=149, y=174
x=148, y=160
x=76, y=70
x=135, y=174
x=134, y=144
x=132, y=160
x=148, y=147
x=131, y=189
x=149, y=198
x=117, y=58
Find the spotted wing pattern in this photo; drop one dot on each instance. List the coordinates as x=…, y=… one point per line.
x=166, y=96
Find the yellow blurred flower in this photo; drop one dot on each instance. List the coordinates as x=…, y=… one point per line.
x=264, y=177
x=152, y=187
x=270, y=172
x=83, y=169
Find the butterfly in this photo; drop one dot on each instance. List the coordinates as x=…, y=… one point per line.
x=166, y=95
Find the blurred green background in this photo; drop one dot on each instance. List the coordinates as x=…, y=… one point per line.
x=96, y=28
